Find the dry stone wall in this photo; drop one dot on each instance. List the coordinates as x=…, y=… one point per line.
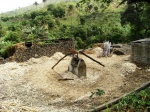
x=141, y=53
x=38, y=50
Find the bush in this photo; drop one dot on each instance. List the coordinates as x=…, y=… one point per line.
x=135, y=102
x=34, y=14
x=4, y=19
x=1, y=33
x=27, y=16
x=13, y=37
x=38, y=20
x=3, y=49
x=79, y=32
x=70, y=8
x=58, y=12
x=50, y=7
x=25, y=22
x=82, y=20
x=80, y=44
x=12, y=28
x=51, y=24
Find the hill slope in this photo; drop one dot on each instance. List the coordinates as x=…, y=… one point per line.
x=32, y=7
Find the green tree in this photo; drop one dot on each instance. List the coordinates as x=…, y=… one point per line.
x=121, y=2
x=44, y=1
x=13, y=37
x=34, y=14
x=70, y=8
x=1, y=27
x=51, y=7
x=138, y=16
x=35, y=3
x=82, y=20
x=1, y=30
x=58, y=12
x=4, y=19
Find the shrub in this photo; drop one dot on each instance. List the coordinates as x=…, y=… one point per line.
x=82, y=20
x=79, y=32
x=50, y=7
x=3, y=49
x=58, y=12
x=25, y=22
x=51, y=24
x=70, y=8
x=27, y=16
x=136, y=102
x=4, y=19
x=11, y=28
x=13, y=37
x=34, y=14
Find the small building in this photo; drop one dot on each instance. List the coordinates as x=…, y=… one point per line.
x=141, y=51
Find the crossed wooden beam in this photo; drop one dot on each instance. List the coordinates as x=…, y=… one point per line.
x=73, y=52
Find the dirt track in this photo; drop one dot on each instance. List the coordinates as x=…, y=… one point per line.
x=33, y=86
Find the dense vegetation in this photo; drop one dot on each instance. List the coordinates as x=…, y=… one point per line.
x=86, y=22
x=135, y=102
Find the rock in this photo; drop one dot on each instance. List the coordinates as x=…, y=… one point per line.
x=119, y=52
x=116, y=45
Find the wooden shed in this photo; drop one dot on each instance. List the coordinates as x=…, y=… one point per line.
x=141, y=51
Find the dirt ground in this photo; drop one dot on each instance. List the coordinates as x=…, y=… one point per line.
x=33, y=86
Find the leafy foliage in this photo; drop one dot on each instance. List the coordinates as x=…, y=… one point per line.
x=13, y=37
x=87, y=23
x=138, y=16
x=58, y=12
x=51, y=7
x=135, y=102
x=3, y=48
x=97, y=93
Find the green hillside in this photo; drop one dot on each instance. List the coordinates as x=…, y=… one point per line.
x=33, y=7
x=87, y=23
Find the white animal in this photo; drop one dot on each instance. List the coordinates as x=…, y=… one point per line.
x=106, y=50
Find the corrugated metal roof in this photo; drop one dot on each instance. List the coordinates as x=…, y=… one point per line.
x=142, y=40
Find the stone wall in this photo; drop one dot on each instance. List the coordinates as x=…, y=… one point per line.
x=141, y=53
x=38, y=50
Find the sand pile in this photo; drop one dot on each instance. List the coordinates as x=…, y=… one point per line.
x=128, y=68
x=98, y=51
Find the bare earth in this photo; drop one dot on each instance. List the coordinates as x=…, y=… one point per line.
x=33, y=86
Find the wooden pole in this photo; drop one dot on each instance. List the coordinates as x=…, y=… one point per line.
x=91, y=58
x=61, y=59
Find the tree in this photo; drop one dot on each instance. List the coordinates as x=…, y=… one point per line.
x=70, y=8
x=137, y=15
x=44, y=1
x=58, y=12
x=36, y=4
x=13, y=37
x=82, y=20
x=51, y=7
x=34, y=14
x=1, y=26
x=1, y=30
x=122, y=1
